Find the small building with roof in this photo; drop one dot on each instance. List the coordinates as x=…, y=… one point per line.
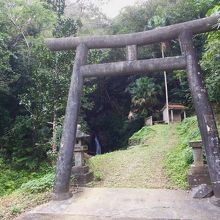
x=177, y=112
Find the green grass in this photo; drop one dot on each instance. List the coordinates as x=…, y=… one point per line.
x=140, y=166
x=22, y=190
x=140, y=136
x=30, y=194
x=178, y=160
x=160, y=157
x=18, y=202
x=39, y=185
x=11, y=179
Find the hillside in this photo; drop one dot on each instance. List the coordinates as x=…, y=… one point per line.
x=159, y=158
x=140, y=165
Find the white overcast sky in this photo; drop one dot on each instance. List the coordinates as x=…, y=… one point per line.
x=113, y=7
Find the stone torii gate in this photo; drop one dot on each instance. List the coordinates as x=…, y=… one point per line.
x=188, y=60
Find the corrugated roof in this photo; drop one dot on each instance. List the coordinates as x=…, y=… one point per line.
x=175, y=106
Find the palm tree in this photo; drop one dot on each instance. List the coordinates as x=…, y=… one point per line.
x=144, y=93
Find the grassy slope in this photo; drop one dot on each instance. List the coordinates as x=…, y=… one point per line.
x=30, y=194
x=140, y=165
x=179, y=158
x=19, y=202
x=160, y=158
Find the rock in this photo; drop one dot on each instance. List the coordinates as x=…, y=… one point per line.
x=202, y=191
x=215, y=201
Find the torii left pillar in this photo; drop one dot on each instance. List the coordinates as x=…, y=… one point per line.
x=64, y=163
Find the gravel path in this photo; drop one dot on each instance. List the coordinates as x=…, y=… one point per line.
x=140, y=166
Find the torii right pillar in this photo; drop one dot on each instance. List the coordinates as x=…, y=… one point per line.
x=206, y=120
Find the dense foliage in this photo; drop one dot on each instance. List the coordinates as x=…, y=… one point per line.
x=33, y=87
x=180, y=158
x=211, y=61
x=116, y=98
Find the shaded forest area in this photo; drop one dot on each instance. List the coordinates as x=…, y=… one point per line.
x=34, y=81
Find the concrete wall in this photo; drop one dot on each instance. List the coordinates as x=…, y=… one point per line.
x=177, y=116
x=165, y=116
x=149, y=121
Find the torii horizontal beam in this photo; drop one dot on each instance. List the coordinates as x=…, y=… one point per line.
x=134, y=67
x=142, y=38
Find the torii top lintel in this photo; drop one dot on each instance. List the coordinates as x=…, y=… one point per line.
x=141, y=38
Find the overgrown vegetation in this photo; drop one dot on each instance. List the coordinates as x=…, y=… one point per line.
x=39, y=185
x=34, y=84
x=180, y=158
x=11, y=179
x=173, y=140
x=34, y=81
x=22, y=191
x=19, y=202
x=211, y=61
x=140, y=136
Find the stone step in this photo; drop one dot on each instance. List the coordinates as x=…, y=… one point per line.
x=126, y=204
x=81, y=217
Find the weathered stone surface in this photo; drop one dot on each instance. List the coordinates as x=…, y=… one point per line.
x=83, y=178
x=126, y=204
x=157, y=35
x=63, y=171
x=80, y=170
x=215, y=201
x=61, y=196
x=82, y=175
x=198, y=179
x=202, y=191
x=199, y=169
x=198, y=175
x=206, y=120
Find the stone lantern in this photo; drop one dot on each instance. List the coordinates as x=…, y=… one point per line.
x=198, y=173
x=81, y=172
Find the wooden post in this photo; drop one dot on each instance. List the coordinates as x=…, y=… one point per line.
x=64, y=163
x=163, y=47
x=184, y=113
x=171, y=115
x=206, y=120
x=131, y=52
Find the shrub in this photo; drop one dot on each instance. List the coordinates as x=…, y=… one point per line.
x=42, y=184
x=11, y=179
x=178, y=160
x=140, y=136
